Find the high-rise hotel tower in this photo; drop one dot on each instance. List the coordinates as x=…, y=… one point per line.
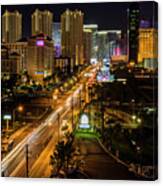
x=133, y=31
x=42, y=22
x=72, y=36
x=11, y=26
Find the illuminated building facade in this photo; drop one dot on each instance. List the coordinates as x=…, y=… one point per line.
x=62, y=64
x=114, y=38
x=123, y=44
x=10, y=62
x=94, y=29
x=19, y=47
x=133, y=32
x=72, y=36
x=87, y=41
x=42, y=22
x=103, y=45
x=148, y=47
x=11, y=26
x=108, y=42
x=40, y=57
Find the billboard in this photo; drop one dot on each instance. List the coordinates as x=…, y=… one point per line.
x=40, y=43
x=84, y=122
x=7, y=117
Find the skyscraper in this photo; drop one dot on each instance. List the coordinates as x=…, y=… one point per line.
x=103, y=44
x=87, y=42
x=133, y=32
x=114, y=37
x=72, y=36
x=42, y=22
x=11, y=26
x=94, y=29
x=40, y=57
x=148, y=47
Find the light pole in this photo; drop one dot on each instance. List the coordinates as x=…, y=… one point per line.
x=7, y=125
x=133, y=106
x=55, y=98
x=80, y=106
x=72, y=107
x=27, y=160
x=20, y=108
x=58, y=118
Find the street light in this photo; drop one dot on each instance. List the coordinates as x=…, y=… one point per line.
x=55, y=97
x=139, y=120
x=136, y=119
x=133, y=106
x=20, y=108
x=133, y=117
x=58, y=118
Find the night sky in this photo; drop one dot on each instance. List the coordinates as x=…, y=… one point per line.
x=106, y=15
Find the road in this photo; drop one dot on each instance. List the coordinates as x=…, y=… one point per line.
x=18, y=136
x=98, y=164
x=41, y=168
x=14, y=164
x=37, y=140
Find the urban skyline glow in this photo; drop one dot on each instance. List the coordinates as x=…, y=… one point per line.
x=79, y=93
x=91, y=15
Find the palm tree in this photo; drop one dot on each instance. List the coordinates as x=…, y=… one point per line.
x=62, y=157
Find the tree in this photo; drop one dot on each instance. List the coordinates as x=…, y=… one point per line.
x=64, y=159
x=58, y=158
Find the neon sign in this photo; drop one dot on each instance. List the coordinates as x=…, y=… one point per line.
x=40, y=43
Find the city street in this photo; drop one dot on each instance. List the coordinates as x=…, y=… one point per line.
x=45, y=131
x=79, y=94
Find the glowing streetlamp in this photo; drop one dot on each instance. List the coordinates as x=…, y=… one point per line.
x=139, y=120
x=55, y=97
x=65, y=84
x=133, y=106
x=20, y=108
x=134, y=117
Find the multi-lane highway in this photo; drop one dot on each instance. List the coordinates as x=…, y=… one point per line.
x=14, y=164
x=41, y=167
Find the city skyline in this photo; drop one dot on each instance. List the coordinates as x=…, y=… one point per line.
x=79, y=95
x=91, y=15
